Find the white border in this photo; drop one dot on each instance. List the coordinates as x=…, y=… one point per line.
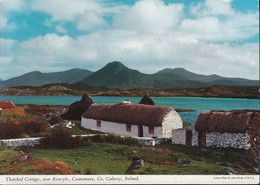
x=129, y=179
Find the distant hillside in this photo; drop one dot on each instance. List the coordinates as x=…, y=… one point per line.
x=212, y=79
x=78, y=89
x=116, y=75
x=37, y=78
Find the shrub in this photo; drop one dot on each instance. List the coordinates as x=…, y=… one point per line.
x=13, y=111
x=114, y=138
x=61, y=139
x=10, y=128
x=13, y=127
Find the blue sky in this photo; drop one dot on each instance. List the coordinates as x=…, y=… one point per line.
x=203, y=36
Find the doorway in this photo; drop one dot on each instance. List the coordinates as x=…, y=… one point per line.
x=188, y=137
x=202, y=138
x=140, y=131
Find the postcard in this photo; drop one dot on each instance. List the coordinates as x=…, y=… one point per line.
x=129, y=92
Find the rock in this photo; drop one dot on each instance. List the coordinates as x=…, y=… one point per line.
x=229, y=171
x=137, y=163
x=23, y=157
x=146, y=100
x=183, y=163
x=77, y=108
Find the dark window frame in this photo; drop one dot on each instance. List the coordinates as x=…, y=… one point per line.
x=98, y=123
x=128, y=127
x=151, y=129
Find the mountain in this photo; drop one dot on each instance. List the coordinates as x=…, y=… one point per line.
x=116, y=75
x=212, y=79
x=37, y=78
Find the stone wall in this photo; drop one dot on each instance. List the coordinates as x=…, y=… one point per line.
x=234, y=140
x=195, y=138
x=13, y=143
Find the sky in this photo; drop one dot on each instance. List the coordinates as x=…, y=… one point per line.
x=203, y=36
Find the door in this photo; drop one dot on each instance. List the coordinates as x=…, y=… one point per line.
x=140, y=131
x=188, y=137
x=202, y=138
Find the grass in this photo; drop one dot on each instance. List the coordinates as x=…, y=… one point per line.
x=31, y=166
x=108, y=158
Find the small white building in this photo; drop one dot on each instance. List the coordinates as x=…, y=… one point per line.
x=134, y=120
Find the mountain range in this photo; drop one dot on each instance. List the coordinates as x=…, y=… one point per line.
x=117, y=75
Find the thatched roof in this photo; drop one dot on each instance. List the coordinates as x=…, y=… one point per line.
x=136, y=114
x=232, y=122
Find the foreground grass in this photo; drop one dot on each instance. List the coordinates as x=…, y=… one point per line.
x=115, y=159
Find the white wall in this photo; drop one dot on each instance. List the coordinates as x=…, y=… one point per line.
x=179, y=136
x=171, y=121
x=157, y=132
x=119, y=128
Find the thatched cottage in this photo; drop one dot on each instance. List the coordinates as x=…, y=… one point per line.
x=135, y=120
x=236, y=129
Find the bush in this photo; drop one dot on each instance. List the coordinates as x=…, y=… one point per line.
x=61, y=139
x=13, y=127
x=10, y=128
x=114, y=138
x=34, y=126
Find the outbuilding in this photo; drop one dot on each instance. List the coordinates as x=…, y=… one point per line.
x=236, y=129
x=135, y=120
x=6, y=105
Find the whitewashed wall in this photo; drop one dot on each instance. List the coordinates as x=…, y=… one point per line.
x=110, y=127
x=157, y=132
x=179, y=136
x=171, y=121
x=119, y=128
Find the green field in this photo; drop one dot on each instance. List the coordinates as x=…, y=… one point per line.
x=105, y=158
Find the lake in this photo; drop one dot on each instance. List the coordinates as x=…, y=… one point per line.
x=196, y=103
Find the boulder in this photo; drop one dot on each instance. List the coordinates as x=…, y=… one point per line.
x=77, y=108
x=146, y=100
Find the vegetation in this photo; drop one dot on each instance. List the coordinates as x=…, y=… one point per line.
x=78, y=89
x=61, y=138
x=30, y=166
x=106, y=158
x=15, y=122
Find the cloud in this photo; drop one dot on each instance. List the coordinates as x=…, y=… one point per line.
x=87, y=14
x=213, y=7
x=150, y=16
x=148, y=36
x=61, y=29
x=5, y=7
x=146, y=53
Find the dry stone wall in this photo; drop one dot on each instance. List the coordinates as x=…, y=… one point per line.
x=234, y=140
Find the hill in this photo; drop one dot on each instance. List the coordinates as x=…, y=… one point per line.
x=116, y=75
x=37, y=78
x=212, y=79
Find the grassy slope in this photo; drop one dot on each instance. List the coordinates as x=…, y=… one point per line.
x=114, y=159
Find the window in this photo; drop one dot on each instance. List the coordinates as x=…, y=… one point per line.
x=151, y=130
x=128, y=128
x=98, y=123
